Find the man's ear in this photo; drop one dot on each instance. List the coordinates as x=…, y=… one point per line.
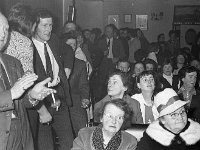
x=138, y=85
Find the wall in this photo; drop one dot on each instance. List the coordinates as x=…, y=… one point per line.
x=94, y=13
x=89, y=13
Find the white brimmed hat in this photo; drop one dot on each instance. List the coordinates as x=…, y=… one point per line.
x=167, y=102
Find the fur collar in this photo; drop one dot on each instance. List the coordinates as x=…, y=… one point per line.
x=191, y=135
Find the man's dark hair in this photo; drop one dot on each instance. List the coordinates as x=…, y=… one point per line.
x=41, y=14
x=123, y=60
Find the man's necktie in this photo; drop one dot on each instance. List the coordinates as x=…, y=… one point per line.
x=8, y=87
x=49, y=71
x=108, y=44
x=5, y=78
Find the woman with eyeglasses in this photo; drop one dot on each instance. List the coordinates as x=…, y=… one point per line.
x=173, y=130
x=119, y=86
x=147, y=85
x=108, y=135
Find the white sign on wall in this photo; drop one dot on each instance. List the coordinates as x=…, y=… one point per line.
x=142, y=22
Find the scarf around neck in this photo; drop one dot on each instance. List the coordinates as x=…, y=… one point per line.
x=97, y=140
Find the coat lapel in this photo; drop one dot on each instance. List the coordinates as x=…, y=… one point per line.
x=38, y=65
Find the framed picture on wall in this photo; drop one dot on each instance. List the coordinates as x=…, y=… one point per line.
x=113, y=19
x=142, y=22
x=127, y=18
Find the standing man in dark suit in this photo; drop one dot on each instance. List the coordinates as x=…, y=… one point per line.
x=15, y=95
x=112, y=50
x=47, y=63
x=79, y=88
x=67, y=53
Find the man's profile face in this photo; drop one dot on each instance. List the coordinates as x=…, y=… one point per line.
x=43, y=31
x=3, y=31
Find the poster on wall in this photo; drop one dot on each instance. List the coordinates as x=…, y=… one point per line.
x=142, y=22
x=113, y=19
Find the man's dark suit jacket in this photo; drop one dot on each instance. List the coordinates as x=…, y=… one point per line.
x=117, y=47
x=106, y=64
x=63, y=87
x=79, y=86
x=67, y=55
x=15, y=71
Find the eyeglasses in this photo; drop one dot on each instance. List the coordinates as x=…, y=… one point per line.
x=144, y=79
x=117, y=118
x=176, y=115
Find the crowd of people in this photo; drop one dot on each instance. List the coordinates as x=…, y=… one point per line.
x=53, y=86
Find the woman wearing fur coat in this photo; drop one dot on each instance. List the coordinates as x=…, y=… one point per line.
x=173, y=130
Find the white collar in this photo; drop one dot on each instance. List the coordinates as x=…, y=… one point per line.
x=170, y=76
x=140, y=98
x=38, y=42
x=111, y=39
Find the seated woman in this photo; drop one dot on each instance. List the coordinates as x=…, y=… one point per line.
x=180, y=62
x=147, y=85
x=108, y=134
x=119, y=87
x=150, y=64
x=136, y=69
x=173, y=130
x=168, y=79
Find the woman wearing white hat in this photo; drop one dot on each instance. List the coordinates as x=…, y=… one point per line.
x=173, y=130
